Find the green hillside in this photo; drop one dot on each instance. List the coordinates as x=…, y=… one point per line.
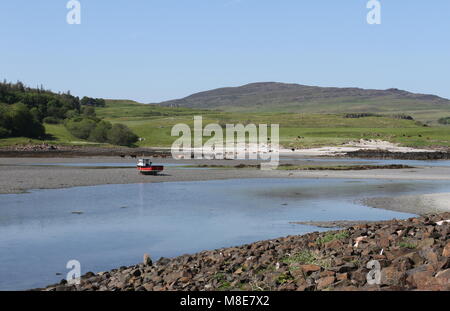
x=154, y=124
x=281, y=97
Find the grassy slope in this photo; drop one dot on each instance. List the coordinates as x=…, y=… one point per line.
x=154, y=123
x=58, y=135
x=281, y=97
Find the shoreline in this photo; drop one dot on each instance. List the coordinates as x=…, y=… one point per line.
x=20, y=175
x=360, y=148
x=423, y=204
x=414, y=254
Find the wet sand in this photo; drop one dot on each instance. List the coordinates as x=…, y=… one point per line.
x=420, y=204
x=18, y=175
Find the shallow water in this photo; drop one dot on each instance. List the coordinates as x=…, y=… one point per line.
x=39, y=233
x=433, y=163
x=100, y=164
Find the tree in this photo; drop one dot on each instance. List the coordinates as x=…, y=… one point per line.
x=445, y=120
x=100, y=132
x=80, y=128
x=121, y=135
x=94, y=102
x=22, y=122
x=89, y=111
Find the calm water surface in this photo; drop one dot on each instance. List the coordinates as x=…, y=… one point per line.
x=39, y=232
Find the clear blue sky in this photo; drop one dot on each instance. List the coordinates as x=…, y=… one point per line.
x=154, y=50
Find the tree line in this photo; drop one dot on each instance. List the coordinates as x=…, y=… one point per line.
x=24, y=110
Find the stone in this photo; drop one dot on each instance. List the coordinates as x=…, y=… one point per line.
x=263, y=265
x=310, y=268
x=392, y=276
x=425, y=243
x=336, y=244
x=136, y=272
x=325, y=282
x=430, y=256
x=350, y=266
x=342, y=276
x=147, y=260
x=420, y=277
x=446, y=250
x=443, y=274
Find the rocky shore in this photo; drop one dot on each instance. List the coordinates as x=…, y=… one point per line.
x=53, y=151
x=384, y=154
x=412, y=254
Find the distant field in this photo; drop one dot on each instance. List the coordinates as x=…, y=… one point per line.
x=295, y=98
x=154, y=124
x=301, y=130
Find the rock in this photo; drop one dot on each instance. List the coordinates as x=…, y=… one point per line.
x=342, y=276
x=136, y=272
x=350, y=266
x=421, y=276
x=163, y=261
x=310, y=268
x=429, y=255
x=147, y=260
x=446, y=250
x=392, y=276
x=148, y=287
x=325, y=282
x=443, y=274
x=336, y=244
x=413, y=254
x=426, y=243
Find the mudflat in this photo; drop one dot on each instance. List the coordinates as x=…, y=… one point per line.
x=19, y=175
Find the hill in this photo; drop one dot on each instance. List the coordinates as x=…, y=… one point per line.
x=281, y=97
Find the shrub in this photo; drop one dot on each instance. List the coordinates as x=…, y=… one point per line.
x=95, y=102
x=22, y=123
x=360, y=115
x=121, y=135
x=100, y=132
x=4, y=132
x=51, y=120
x=445, y=121
x=403, y=117
x=80, y=127
x=89, y=111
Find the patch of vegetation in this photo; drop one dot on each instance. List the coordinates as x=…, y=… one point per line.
x=95, y=102
x=407, y=244
x=101, y=131
x=329, y=236
x=294, y=98
x=225, y=285
x=306, y=257
x=284, y=278
x=444, y=121
x=308, y=129
x=360, y=115
x=17, y=120
x=24, y=111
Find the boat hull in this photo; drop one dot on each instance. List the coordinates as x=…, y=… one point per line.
x=150, y=170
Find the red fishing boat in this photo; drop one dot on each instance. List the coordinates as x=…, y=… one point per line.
x=145, y=167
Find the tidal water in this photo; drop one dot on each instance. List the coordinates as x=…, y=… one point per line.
x=108, y=226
